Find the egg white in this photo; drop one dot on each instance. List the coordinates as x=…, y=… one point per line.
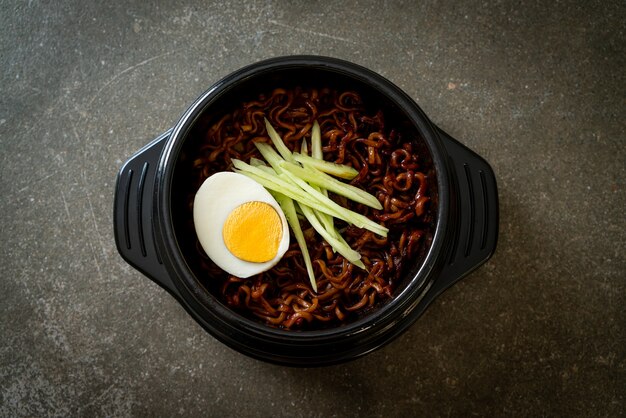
x=216, y=198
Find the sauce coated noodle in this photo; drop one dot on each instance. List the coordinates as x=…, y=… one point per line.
x=389, y=167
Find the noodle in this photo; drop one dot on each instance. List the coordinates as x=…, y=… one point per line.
x=389, y=166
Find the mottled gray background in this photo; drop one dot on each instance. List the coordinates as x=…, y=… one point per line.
x=537, y=88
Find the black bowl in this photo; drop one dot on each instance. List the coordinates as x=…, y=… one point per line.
x=150, y=236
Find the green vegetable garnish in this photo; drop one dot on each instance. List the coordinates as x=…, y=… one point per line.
x=328, y=167
x=314, y=176
x=289, y=209
x=278, y=142
x=303, y=192
x=298, y=178
x=317, y=154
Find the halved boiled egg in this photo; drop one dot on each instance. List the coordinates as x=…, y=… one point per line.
x=239, y=224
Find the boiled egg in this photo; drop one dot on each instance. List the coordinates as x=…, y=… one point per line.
x=239, y=224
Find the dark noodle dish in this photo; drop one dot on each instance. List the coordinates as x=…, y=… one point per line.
x=392, y=164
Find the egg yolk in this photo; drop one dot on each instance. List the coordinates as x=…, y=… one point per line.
x=253, y=231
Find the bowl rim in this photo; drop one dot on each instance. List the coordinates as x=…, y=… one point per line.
x=204, y=304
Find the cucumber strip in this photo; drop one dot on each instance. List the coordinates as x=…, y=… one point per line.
x=326, y=219
x=289, y=209
x=317, y=154
x=278, y=142
x=319, y=201
x=323, y=203
x=270, y=155
x=266, y=169
x=338, y=170
x=291, y=213
x=255, y=162
x=275, y=159
x=316, y=142
x=314, y=176
x=272, y=181
x=299, y=178
x=350, y=255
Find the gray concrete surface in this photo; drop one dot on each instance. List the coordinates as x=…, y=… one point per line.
x=537, y=88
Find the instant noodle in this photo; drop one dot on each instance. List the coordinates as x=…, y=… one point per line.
x=389, y=167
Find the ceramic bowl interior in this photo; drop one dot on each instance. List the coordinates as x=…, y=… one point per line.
x=231, y=93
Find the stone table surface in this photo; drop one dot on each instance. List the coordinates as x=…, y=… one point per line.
x=536, y=88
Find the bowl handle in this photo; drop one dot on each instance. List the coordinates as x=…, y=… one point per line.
x=474, y=220
x=133, y=216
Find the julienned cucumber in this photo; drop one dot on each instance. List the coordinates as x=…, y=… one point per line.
x=297, y=177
